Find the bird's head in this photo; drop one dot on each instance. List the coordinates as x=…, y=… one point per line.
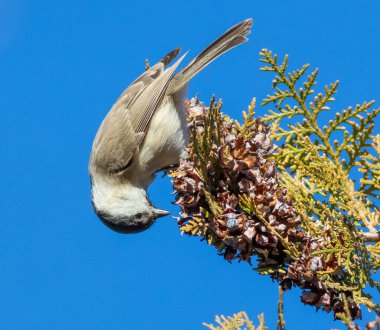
x=125, y=209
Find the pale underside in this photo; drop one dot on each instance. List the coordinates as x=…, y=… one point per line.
x=147, y=124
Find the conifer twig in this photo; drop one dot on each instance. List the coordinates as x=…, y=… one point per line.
x=280, y=309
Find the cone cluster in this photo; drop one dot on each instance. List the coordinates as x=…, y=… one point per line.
x=229, y=193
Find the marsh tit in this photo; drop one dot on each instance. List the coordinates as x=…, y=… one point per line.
x=144, y=132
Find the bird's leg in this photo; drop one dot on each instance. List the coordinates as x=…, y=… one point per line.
x=165, y=170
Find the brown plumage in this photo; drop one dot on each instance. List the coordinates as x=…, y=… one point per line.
x=145, y=131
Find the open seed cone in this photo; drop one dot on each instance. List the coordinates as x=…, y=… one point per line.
x=229, y=193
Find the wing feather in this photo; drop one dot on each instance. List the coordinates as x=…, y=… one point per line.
x=145, y=106
x=124, y=127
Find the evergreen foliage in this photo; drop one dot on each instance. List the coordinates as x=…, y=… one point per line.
x=320, y=174
x=239, y=321
x=307, y=209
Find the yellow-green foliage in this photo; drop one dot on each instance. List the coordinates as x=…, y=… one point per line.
x=315, y=221
x=239, y=321
x=332, y=171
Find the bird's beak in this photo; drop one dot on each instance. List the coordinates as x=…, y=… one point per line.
x=160, y=213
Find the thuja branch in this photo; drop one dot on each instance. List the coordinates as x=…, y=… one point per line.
x=295, y=213
x=314, y=169
x=307, y=132
x=236, y=322
x=280, y=310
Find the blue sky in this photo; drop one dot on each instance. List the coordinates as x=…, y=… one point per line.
x=62, y=65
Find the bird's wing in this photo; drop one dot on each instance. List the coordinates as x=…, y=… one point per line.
x=145, y=105
x=124, y=127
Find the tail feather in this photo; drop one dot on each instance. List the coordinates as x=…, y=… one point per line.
x=230, y=39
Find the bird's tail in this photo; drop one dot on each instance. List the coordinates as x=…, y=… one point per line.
x=230, y=39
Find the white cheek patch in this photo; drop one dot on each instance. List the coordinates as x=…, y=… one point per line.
x=118, y=199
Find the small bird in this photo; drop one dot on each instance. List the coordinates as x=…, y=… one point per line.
x=144, y=132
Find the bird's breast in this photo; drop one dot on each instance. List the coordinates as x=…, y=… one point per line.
x=166, y=137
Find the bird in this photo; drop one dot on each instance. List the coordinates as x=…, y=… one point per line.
x=145, y=131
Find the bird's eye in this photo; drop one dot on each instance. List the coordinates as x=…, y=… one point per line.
x=139, y=215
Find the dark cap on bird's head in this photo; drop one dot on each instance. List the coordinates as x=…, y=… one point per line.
x=130, y=224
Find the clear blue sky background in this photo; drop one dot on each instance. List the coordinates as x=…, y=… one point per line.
x=62, y=65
